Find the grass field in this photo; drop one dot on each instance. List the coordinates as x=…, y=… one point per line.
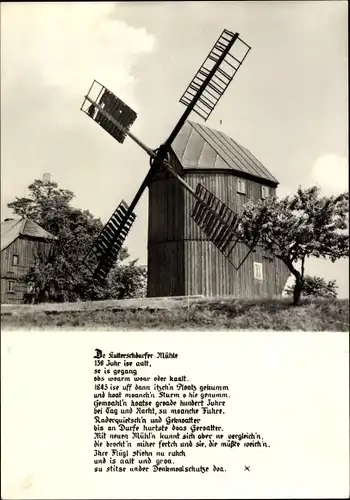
x=183, y=314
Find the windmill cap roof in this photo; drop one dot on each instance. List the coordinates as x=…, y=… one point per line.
x=202, y=148
x=11, y=229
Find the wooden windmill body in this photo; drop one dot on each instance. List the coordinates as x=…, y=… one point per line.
x=181, y=258
x=198, y=181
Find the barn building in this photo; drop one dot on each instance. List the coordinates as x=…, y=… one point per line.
x=181, y=259
x=22, y=241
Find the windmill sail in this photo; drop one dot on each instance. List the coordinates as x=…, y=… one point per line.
x=104, y=253
x=113, y=106
x=203, y=93
x=232, y=50
x=220, y=224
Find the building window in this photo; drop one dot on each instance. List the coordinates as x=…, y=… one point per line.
x=15, y=260
x=265, y=192
x=258, y=271
x=241, y=188
x=11, y=287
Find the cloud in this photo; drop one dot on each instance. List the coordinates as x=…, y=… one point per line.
x=330, y=173
x=50, y=54
x=64, y=46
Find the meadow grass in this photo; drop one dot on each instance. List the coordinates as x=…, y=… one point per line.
x=202, y=314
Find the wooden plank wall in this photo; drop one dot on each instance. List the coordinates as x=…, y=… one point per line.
x=26, y=249
x=207, y=271
x=166, y=274
x=181, y=260
x=165, y=268
x=166, y=211
x=224, y=186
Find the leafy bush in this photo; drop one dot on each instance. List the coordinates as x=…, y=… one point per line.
x=60, y=275
x=313, y=286
x=297, y=227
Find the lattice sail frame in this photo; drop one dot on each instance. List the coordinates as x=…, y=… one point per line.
x=201, y=96
x=222, y=76
x=111, y=104
x=220, y=223
x=103, y=254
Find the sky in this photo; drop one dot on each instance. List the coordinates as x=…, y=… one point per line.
x=287, y=104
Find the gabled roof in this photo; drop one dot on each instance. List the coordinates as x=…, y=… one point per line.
x=11, y=229
x=199, y=147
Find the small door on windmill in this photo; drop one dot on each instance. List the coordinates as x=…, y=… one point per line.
x=120, y=111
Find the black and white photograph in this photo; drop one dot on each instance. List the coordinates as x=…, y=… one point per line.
x=212, y=185
x=174, y=242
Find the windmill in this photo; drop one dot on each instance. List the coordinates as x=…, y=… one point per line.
x=214, y=217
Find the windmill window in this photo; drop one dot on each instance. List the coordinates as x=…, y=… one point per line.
x=15, y=260
x=11, y=287
x=258, y=271
x=265, y=192
x=241, y=187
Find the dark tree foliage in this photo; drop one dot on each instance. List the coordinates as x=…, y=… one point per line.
x=60, y=274
x=297, y=227
x=314, y=286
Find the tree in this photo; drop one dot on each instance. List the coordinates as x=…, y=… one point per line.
x=60, y=275
x=314, y=286
x=297, y=227
x=130, y=280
